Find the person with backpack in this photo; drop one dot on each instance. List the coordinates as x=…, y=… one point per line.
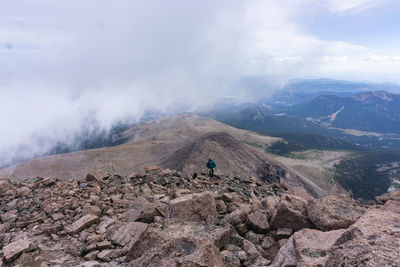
x=211, y=166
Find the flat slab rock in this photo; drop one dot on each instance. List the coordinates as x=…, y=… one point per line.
x=193, y=207
x=394, y=195
x=334, y=212
x=123, y=234
x=374, y=240
x=14, y=249
x=141, y=210
x=307, y=247
x=97, y=175
x=82, y=223
x=177, y=243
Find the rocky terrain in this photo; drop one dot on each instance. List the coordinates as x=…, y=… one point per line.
x=164, y=218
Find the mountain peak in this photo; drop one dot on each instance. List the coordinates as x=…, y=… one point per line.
x=371, y=97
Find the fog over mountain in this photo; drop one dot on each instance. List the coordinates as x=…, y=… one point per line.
x=69, y=68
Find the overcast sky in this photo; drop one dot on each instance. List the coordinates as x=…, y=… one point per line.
x=62, y=61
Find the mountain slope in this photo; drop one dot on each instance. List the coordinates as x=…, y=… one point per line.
x=182, y=142
x=377, y=111
x=232, y=155
x=301, y=91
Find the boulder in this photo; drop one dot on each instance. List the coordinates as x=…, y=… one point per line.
x=237, y=217
x=98, y=246
x=221, y=206
x=91, y=256
x=372, y=241
x=153, y=169
x=124, y=234
x=270, y=203
x=307, y=247
x=299, y=191
x=394, y=195
x=258, y=222
x=4, y=228
x=5, y=186
x=82, y=223
x=141, y=210
x=227, y=197
x=47, y=182
x=180, y=243
x=91, y=209
x=242, y=229
x=270, y=247
x=391, y=205
x=253, y=237
x=194, y=207
x=255, y=201
x=13, y=250
x=9, y=217
x=291, y=212
x=253, y=255
x=166, y=172
x=98, y=176
x=104, y=224
x=334, y=212
x=94, y=238
x=108, y=254
x=24, y=191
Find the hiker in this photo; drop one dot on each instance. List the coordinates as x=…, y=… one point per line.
x=211, y=166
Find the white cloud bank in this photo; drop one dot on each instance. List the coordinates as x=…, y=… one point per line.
x=64, y=61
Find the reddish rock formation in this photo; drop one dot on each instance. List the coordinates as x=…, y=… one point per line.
x=16, y=248
x=291, y=212
x=258, y=222
x=307, y=247
x=394, y=195
x=374, y=240
x=334, y=212
x=180, y=244
x=161, y=218
x=141, y=210
x=194, y=207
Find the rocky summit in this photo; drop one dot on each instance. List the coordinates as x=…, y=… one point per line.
x=162, y=217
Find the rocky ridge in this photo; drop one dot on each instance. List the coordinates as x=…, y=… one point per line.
x=164, y=218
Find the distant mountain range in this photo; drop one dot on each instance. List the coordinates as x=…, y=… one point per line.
x=377, y=111
x=301, y=91
x=361, y=118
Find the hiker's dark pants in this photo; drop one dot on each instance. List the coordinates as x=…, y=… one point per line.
x=211, y=172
